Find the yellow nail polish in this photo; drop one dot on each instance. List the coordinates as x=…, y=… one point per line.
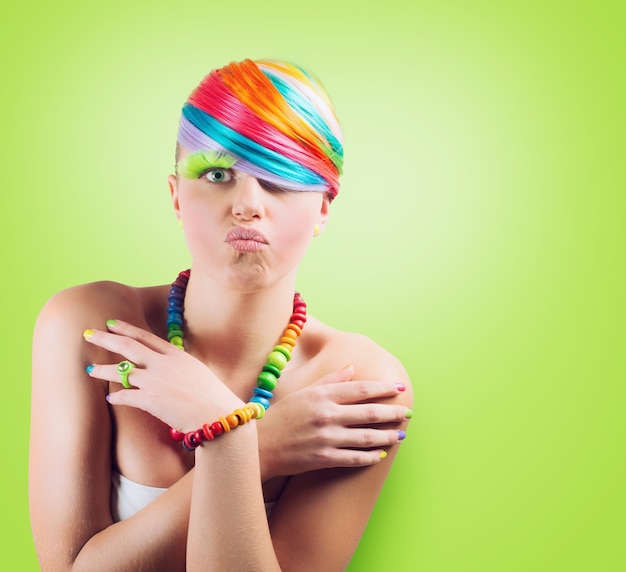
x=88, y=333
x=383, y=454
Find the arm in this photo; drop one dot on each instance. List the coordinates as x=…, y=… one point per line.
x=320, y=517
x=227, y=527
x=70, y=458
x=330, y=426
x=70, y=470
x=330, y=508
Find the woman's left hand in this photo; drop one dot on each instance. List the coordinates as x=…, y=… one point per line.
x=168, y=383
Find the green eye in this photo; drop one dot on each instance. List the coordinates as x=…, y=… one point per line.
x=218, y=175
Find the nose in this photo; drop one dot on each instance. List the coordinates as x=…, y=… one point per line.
x=248, y=199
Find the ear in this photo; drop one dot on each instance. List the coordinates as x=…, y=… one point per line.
x=172, y=183
x=324, y=213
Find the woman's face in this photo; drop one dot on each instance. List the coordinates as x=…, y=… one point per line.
x=246, y=233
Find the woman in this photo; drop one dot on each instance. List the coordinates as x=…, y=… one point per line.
x=212, y=424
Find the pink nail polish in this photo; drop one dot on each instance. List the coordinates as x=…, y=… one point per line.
x=400, y=386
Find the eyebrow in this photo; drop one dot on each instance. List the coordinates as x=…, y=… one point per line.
x=193, y=165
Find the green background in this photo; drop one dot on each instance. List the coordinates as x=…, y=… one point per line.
x=478, y=235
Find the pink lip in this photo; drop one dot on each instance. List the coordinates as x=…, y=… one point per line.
x=246, y=239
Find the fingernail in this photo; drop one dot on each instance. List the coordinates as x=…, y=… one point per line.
x=88, y=333
x=409, y=414
x=108, y=397
x=383, y=454
x=401, y=435
x=89, y=368
x=111, y=323
x=401, y=387
x=346, y=366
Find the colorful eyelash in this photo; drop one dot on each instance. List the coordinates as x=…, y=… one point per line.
x=192, y=166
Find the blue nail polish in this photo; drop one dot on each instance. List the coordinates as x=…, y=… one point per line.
x=89, y=368
x=401, y=435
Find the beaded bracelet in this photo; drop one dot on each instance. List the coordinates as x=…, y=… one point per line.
x=208, y=432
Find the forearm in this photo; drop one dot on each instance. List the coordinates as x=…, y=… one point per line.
x=153, y=539
x=228, y=527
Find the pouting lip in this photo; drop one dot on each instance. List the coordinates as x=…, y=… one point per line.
x=244, y=233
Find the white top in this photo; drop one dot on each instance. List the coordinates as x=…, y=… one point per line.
x=129, y=497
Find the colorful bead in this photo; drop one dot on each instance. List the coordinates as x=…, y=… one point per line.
x=283, y=350
x=187, y=443
x=262, y=393
x=267, y=380
x=271, y=369
x=242, y=415
x=259, y=410
x=176, y=434
x=261, y=401
x=175, y=334
x=290, y=334
x=295, y=328
x=277, y=359
x=208, y=434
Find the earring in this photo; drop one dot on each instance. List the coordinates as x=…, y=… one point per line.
x=316, y=230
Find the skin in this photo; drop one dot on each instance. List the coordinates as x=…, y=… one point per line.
x=237, y=304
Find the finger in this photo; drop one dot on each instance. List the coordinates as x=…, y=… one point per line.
x=367, y=438
x=366, y=414
x=109, y=372
x=334, y=458
x=130, y=348
x=141, y=335
x=130, y=398
x=366, y=390
x=344, y=374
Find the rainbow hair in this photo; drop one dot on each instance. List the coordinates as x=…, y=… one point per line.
x=273, y=117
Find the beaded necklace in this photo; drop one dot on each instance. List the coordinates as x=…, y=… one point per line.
x=266, y=380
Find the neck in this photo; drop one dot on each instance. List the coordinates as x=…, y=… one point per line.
x=234, y=331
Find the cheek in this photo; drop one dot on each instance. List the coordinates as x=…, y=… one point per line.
x=298, y=224
x=198, y=222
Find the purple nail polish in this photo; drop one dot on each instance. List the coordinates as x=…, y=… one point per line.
x=401, y=435
x=108, y=397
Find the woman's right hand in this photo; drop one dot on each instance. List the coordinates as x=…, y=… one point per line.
x=334, y=422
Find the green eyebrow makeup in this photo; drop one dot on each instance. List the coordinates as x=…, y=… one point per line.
x=192, y=166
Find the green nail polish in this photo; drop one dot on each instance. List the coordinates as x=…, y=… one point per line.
x=111, y=323
x=409, y=414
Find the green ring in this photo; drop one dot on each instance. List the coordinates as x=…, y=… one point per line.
x=123, y=369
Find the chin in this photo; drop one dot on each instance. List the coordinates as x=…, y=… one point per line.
x=249, y=279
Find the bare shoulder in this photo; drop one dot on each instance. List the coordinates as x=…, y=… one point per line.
x=68, y=313
x=90, y=305
x=338, y=348
x=87, y=299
